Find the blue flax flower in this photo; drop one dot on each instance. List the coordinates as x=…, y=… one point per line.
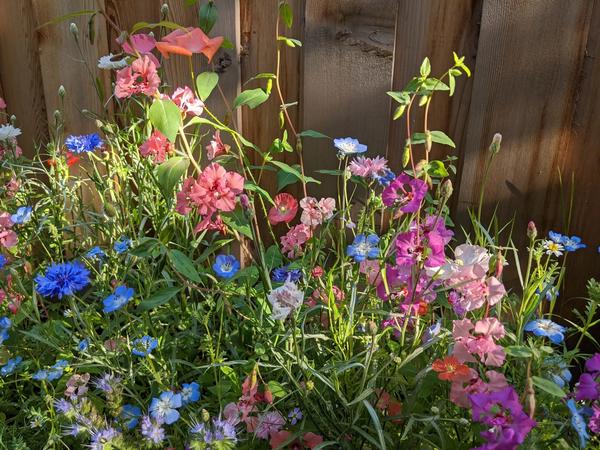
x=295, y=416
x=122, y=245
x=118, y=299
x=348, y=146
x=95, y=253
x=578, y=423
x=5, y=324
x=62, y=279
x=3, y=261
x=558, y=371
x=164, y=408
x=226, y=266
x=130, y=415
x=53, y=373
x=364, y=247
x=282, y=274
x=83, y=345
x=10, y=366
x=570, y=244
x=143, y=346
x=190, y=393
x=23, y=215
x=152, y=432
x=547, y=328
x=84, y=143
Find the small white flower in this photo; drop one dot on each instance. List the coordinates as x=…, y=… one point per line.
x=285, y=299
x=108, y=63
x=8, y=132
x=553, y=248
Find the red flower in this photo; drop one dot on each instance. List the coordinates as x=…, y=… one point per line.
x=285, y=209
x=157, y=146
x=450, y=369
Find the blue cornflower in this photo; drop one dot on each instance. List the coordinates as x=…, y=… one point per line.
x=53, y=373
x=5, y=324
x=122, y=245
x=282, y=274
x=101, y=438
x=164, y=408
x=10, y=366
x=83, y=345
x=3, y=261
x=62, y=279
x=130, y=415
x=295, y=416
x=364, y=247
x=95, y=253
x=386, y=178
x=143, y=346
x=84, y=143
x=190, y=392
x=226, y=266
x=152, y=431
x=348, y=146
x=578, y=423
x=572, y=243
x=23, y=215
x=118, y=299
x=547, y=328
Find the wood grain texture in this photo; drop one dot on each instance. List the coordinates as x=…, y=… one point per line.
x=434, y=29
x=347, y=72
x=20, y=72
x=62, y=64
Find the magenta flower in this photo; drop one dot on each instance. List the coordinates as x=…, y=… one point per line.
x=413, y=247
x=594, y=423
x=592, y=365
x=587, y=388
x=405, y=192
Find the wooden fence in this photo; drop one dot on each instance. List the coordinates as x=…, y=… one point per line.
x=536, y=74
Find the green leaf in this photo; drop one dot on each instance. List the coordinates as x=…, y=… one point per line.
x=399, y=112
x=147, y=247
x=273, y=257
x=250, y=186
x=313, y=134
x=401, y=97
x=208, y=16
x=165, y=117
x=289, y=41
x=548, y=386
x=163, y=23
x=433, y=84
x=285, y=11
x=292, y=171
x=276, y=389
x=425, y=69
x=159, y=298
x=238, y=222
x=518, y=351
x=205, y=83
x=251, y=97
x=184, y=265
x=285, y=179
x=452, y=84
x=376, y=423
x=437, y=169
x=170, y=172
x=436, y=136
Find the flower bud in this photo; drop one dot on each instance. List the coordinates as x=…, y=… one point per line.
x=406, y=155
x=372, y=327
x=205, y=415
x=74, y=30
x=62, y=91
x=310, y=385
x=110, y=210
x=317, y=272
x=435, y=410
x=13, y=119
x=446, y=189
x=57, y=115
x=531, y=230
x=164, y=10
x=495, y=145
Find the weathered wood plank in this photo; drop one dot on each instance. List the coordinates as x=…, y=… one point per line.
x=20, y=72
x=434, y=29
x=347, y=71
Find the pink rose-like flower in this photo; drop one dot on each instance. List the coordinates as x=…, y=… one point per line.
x=8, y=238
x=216, y=189
x=157, y=146
x=406, y=192
x=316, y=212
x=216, y=146
x=184, y=202
x=285, y=209
x=295, y=238
x=189, y=41
x=187, y=102
x=139, y=78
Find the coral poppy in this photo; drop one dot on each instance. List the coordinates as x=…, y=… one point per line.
x=285, y=209
x=450, y=369
x=189, y=41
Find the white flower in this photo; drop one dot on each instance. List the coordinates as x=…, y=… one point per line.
x=553, y=248
x=285, y=299
x=8, y=132
x=107, y=62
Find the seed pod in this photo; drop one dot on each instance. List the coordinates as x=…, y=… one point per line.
x=406, y=155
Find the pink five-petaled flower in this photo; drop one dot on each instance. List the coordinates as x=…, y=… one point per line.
x=216, y=189
x=296, y=237
x=8, y=238
x=316, y=212
x=188, y=41
x=157, y=146
x=285, y=209
x=139, y=78
x=140, y=44
x=216, y=146
x=406, y=192
x=187, y=102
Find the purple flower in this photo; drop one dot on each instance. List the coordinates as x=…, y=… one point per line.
x=107, y=382
x=152, y=431
x=102, y=437
x=592, y=365
x=594, y=423
x=587, y=388
x=295, y=416
x=406, y=192
x=413, y=248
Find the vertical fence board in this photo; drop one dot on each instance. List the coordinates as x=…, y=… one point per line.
x=20, y=73
x=62, y=63
x=126, y=13
x=347, y=71
x=434, y=29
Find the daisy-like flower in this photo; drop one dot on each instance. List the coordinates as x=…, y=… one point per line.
x=111, y=62
x=164, y=408
x=364, y=247
x=118, y=299
x=8, y=133
x=62, y=279
x=572, y=243
x=226, y=266
x=143, y=346
x=284, y=300
x=190, y=393
x=547, y=328
x=84, y=143
x=348, y=146
x=284, y=210
x=553, y=247
x=295, y=416
x=156, y=147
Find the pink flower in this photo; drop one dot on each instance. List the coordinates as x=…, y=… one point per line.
x=268, y=423
x=216, y=146
x=140, y=44
x=315, y=213
x=211, y=222
x=406, y=192
x=187, y=102
x=2, y=103
x=295, y=238
x=8, y=238
x=184, y=202
x=187, y=42
x=413, y=248
x=459, y=392
x=12, y=186
x=285, y=209
x=479, y=340
x=368, y=167
x=157, y=146
x=139, y=78
x=216, y=189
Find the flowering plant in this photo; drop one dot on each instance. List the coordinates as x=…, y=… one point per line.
x=155, y=295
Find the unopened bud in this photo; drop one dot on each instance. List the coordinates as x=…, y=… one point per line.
x=122, y=38
x=205, y=415
x=446, y=189
x=57, y=115
x=310, y=385
x=74, y=30
x=406, y=155
x=110, y=210
x=13, y=119
x=499, y=265
x=428, y=141
x=435, y=410
x=531, y=230
x=62, y=91
x=495, y=145
x=372, y=327
x=164, y=10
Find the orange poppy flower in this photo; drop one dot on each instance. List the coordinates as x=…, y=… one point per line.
x=450, y=369
x=188, y=41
